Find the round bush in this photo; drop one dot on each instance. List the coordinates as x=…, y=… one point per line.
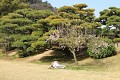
x=23, y=54
x=100, y=48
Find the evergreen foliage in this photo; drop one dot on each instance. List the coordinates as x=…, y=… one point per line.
x=73, y=27
x=111, y=18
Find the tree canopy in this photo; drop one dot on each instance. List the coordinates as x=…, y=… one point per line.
x=7, y=6
x=111, y=18
x=72, y=28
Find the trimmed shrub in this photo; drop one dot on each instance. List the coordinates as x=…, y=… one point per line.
x=100, y=48
x=23, y=54
x=28, y=52
x=116, y=40
x=40, y=45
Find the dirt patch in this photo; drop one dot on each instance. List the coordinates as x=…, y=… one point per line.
x=38, y=56
x=12, y=53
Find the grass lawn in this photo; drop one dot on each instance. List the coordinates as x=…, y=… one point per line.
x=88, y=69
x=100, y=69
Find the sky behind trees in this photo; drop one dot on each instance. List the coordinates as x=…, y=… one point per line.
x=98, y=5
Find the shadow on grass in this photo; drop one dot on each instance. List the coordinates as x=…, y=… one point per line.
x=62, y=56
x=66, y=59
x=56, y=55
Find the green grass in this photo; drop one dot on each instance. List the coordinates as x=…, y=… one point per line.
x=105, y=64
x=96, y=65
x=89, y=64
x=1, y=54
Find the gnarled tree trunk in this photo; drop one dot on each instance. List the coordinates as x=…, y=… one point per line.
x=74, y=55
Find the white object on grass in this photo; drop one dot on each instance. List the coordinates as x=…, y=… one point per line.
x=55, y=64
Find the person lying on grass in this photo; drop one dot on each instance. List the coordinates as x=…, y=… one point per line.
x=55, y=64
